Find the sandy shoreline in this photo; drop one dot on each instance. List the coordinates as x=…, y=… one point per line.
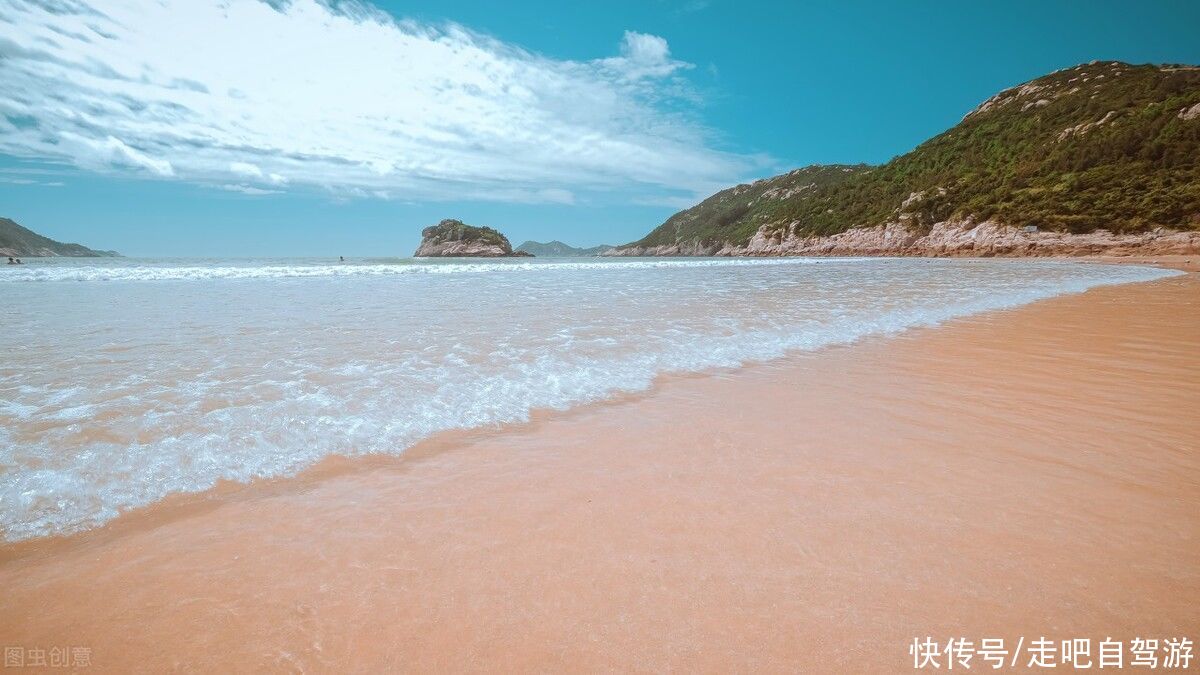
x=1022, y=473
x=1182, y=262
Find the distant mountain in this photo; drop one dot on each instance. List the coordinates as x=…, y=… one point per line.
x=455, y=239
x=1102, y=146
x=21, y=242
x=557, y=249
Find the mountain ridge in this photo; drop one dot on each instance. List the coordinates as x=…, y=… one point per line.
x=1105, y=146
x=556, y=248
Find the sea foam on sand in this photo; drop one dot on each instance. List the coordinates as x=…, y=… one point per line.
x=1026, y=474
x=128, y=382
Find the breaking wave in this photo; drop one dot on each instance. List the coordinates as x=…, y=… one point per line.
x=113, y=396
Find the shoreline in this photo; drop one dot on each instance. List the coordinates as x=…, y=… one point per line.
x=962, y=238
x=181, y=504
x=1183, y=262
x=486, y=546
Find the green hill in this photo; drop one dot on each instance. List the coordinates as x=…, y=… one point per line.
x=454, y=238
x=1106, y=145
x=21, y=242
x=557, y=249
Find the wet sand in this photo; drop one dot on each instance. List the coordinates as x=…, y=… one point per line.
x=1182, y=262
x=1022, y=473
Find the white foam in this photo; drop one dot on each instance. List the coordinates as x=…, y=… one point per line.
x=258, y=389
x=191, y=272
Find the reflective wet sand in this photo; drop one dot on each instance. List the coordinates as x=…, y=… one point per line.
x=1022, y=473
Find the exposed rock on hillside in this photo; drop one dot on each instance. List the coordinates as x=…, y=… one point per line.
x=945, y=239
x=1105, y=147
x=455, y=239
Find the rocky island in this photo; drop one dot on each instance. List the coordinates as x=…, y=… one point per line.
x=455, y=239
x=21, y=242
x=1095, y=159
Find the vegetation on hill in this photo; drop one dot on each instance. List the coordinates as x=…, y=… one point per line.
x=456, y=230
x=19, y=241
x=453, y=238
x=557, y=249
x=1103, y=145
x=736, y=213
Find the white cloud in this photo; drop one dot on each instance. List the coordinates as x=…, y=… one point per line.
x=644, y=56
x=344, y=98
x=245, y=169
x=30, y=181
x=28, y=175
x=248, y=189
x=91, y=152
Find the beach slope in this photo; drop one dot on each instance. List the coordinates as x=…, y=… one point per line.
x=1025, y=473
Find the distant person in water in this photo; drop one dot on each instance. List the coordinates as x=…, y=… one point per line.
x=341, y=258
x=11, y=261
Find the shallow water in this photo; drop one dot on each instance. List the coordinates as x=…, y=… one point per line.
x=124, y=380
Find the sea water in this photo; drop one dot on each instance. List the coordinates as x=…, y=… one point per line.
x=123, y=381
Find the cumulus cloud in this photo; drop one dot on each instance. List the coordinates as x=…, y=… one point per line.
x=644, y=56
x=257, y=96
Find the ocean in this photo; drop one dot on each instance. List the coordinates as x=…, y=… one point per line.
x=123, y=381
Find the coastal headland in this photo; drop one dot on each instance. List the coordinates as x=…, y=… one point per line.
x=1096, y=158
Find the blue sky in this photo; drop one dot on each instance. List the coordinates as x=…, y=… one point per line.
x=207, y=128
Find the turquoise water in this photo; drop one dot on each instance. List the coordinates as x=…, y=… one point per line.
x=126, y=380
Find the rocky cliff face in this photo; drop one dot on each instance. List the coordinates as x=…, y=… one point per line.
x=455, y=239
x=945, y=239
